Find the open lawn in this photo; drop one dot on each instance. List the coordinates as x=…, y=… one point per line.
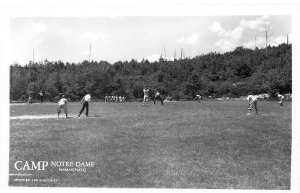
x=212, y=144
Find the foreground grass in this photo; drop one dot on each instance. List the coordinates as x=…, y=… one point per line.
x=180, y=145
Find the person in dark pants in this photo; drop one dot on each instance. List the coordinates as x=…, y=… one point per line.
x=41, y=93
x=158, y=97
x=85, y=105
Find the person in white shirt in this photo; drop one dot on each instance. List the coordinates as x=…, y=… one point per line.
x=41, y=93
x=158, y=97
x=252, y=99
x=280, y=97
x=146, y=95
x=85, y=104
x=62, y=104
x=198, y=98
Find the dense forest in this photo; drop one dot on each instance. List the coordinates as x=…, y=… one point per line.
x=231, y=74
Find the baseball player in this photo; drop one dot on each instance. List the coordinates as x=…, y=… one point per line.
x=198, y=98
x=158, y=97
x=252, y=99
x=85, y=104
x=280, y=97
x=146, y=95
x=62, y=104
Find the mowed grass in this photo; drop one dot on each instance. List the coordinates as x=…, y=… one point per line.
x=207, y=145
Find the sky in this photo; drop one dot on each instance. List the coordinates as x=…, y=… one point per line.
x=138, y=37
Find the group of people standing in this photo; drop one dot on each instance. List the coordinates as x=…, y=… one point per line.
x=114, y=98
x=63, y=102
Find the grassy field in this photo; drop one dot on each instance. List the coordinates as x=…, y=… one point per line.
x=212, y=144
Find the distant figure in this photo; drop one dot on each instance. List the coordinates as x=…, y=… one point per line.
x=41, y=94
x=120, y=98
x=146, y=95
x=158, y=97
x=198, y=98
x=280, y=97
x=29, y=100
x=62, y=104
x=123, y=99
x=252, y=99
x=85, y=104
x=106, y=98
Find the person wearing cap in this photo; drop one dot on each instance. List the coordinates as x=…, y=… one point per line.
x=146, y=95
x=198, y=98
x=85, y=104
x=41, y=93
x=62, y=104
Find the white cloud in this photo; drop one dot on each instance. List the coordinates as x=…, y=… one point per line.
x=30, y=38
x=228, y=39
x=152, y=58
x=236, y=33
x=256, y=24
x=217, y=28
x=278, y=40
x=94, y=36
x=226, y=44
x=221, y=32
x=192, y=40
x=260, y=42
x=38, y=27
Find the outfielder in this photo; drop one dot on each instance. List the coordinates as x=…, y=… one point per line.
x=198, y=98
x=146, y=95
x=280, y=97
x=158, y=97
x=252, y=99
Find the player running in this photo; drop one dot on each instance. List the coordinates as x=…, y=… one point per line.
x=198, y=98
x=62, y=104
x=158, y=97
x=146, y=95
x=252, y=99
x=85, y=105
x=280, y=97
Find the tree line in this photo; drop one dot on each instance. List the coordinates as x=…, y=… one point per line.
x=231, y=74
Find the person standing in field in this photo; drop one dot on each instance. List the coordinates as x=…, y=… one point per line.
x=85, y=104
x=252, y=99
x=198, y=98
x=62, y=104
x=146, y=95
x=29, y=99
x=158, y=97
x=280, y=97
x=41, y=94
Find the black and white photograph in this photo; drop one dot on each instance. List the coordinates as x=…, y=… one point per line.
x=155, y=101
